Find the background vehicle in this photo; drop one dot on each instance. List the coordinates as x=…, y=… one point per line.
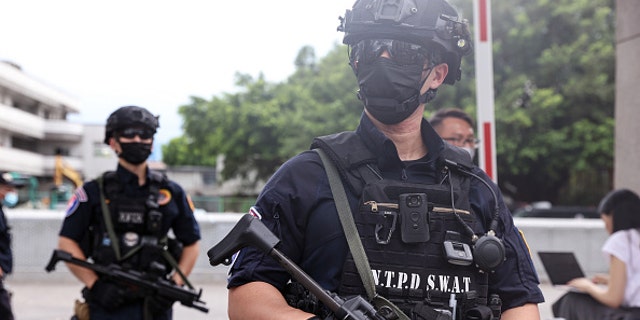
x=557, y=212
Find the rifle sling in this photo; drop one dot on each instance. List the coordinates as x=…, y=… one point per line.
x=175, y=266
x=106, y=215
x=353, y=237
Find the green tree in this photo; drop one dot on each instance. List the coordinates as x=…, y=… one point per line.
x=554, y=94
x=263, y=124
x=554, y=97
x=554, y=67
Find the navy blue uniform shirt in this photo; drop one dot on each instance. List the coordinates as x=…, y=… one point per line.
x=6, y=255
x=85, y=207
x=296, y=204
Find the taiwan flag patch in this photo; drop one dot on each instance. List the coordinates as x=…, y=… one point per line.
x=72, y=205
x=254, y=212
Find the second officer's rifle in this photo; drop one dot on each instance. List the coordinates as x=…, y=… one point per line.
x=250, y=231
x=154, y=285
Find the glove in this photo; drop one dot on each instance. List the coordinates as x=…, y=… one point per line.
x=158, y=304
x=106, y=294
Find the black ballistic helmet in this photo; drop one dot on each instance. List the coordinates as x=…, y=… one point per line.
x=129, y=116
x=433, y=24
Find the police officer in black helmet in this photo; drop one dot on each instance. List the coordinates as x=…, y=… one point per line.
x=124, y=217
x=438, y=239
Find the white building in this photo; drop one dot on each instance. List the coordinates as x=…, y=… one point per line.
x=34, y=129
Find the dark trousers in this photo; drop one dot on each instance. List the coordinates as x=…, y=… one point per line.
x=581, y=306
x=5, y=303
x=133, y=311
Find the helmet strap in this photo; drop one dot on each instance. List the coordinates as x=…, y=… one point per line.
x=428, y=96
x=431, y=93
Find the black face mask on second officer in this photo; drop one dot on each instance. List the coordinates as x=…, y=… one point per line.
x=390, y=87
x=135, y=152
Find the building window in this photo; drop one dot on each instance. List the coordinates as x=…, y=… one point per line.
x=62, y=152
x=25, y=144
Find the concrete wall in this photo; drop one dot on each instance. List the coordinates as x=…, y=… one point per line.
x=35, y=237
x=584, y=237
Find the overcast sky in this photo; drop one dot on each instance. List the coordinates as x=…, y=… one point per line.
x=157, y=54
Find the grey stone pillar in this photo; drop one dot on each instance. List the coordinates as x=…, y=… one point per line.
x=627, y=108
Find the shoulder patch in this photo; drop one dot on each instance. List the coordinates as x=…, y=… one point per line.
x=72, y=205
x=525, y=241
x=81, y=194
x=164, y=196
x=190, y=202
x=254, y=212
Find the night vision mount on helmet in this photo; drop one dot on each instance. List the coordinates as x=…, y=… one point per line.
x=129, y=116
x=434, y=24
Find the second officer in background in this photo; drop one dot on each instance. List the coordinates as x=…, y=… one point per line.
x=124, y=217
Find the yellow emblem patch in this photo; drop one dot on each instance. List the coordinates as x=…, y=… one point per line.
x=164, y=196
x=525, y=240
x=191, y=205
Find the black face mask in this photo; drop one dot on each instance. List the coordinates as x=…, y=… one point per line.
x=390, y=92
x=135, y=152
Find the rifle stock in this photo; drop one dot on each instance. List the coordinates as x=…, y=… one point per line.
x=250, y=231
x=158, y=286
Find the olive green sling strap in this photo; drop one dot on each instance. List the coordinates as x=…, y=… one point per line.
x=353, y=238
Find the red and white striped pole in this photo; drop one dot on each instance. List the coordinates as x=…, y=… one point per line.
x=484, y=88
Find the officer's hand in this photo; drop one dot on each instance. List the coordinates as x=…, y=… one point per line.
x=107, y=294
x=177, y=280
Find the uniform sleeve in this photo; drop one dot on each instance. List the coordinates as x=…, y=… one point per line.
x=515, y=280
x=79, y=211
x=6, y=254
x=295, y=197
x=185, y=226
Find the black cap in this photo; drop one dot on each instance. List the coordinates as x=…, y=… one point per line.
x=7, y=179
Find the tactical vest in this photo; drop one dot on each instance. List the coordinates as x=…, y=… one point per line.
x=135, y=225
x=419, y=250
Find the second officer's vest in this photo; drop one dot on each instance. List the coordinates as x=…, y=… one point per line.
x=418, y=248
x=132, y=226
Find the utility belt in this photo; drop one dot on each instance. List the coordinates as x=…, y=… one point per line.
x=461, y=306
x=438, y=306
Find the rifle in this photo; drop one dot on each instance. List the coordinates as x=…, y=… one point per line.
x=251, y=231
x=155, y=286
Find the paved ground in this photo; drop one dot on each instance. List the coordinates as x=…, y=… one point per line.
x=54, y=301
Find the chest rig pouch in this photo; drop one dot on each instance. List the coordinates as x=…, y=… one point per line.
x=417, y=237
x=419, y=250
x=132, y=234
